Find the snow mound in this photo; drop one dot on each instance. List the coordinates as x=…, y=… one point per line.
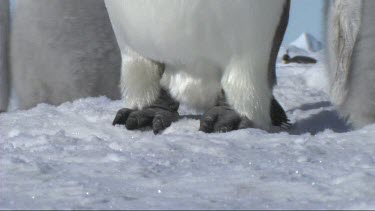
x=307, y=42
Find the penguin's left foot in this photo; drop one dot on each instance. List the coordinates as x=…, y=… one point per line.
x=222, y=119
x=159, y=115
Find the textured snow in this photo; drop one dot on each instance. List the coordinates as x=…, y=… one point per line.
x=71, y=157
x=307, y=42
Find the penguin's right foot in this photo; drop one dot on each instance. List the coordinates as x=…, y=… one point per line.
x=158, y=116
x=222, y=119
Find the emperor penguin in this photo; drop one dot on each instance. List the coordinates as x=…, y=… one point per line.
x=298, y=59
x=62, y=50
x=4, y=71
x=215, y=55
x=351, y=59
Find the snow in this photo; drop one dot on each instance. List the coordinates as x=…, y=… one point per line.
x=307, y=42
x=71, y=157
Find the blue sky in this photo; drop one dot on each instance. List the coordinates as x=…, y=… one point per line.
x=305, y=16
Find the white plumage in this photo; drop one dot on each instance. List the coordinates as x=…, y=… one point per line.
x=62, y=51
x=4, y=78
x=206, y=46
x=351, y=44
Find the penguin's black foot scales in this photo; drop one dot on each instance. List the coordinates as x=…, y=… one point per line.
x=159, y=116
x=223, y=119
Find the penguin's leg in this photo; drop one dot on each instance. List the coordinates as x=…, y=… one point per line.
x=4, y=56
x=147, y=104
x=222, y=118
x=247, y=99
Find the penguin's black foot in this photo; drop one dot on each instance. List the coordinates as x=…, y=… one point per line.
x=158, y=116
x=223, y=119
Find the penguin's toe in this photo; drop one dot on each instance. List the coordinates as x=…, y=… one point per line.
x=122, y=116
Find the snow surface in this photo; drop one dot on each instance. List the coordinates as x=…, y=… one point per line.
x=71, y=157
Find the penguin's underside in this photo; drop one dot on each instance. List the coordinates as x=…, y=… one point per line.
x=351, y=66
x=203, y=53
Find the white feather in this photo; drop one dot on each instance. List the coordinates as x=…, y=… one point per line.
x=62, y=51
x=351, y=44
x=140, y=78
x=343, y=28
x=197, y=85
x=244, y=83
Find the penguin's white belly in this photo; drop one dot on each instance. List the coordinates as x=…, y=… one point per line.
x=206, y=45
x=186, y=31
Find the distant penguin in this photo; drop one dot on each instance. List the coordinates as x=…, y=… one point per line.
x=4, y=40
x=298, y=59
x=62, y=50
x=215, y=55
x=351, y=59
